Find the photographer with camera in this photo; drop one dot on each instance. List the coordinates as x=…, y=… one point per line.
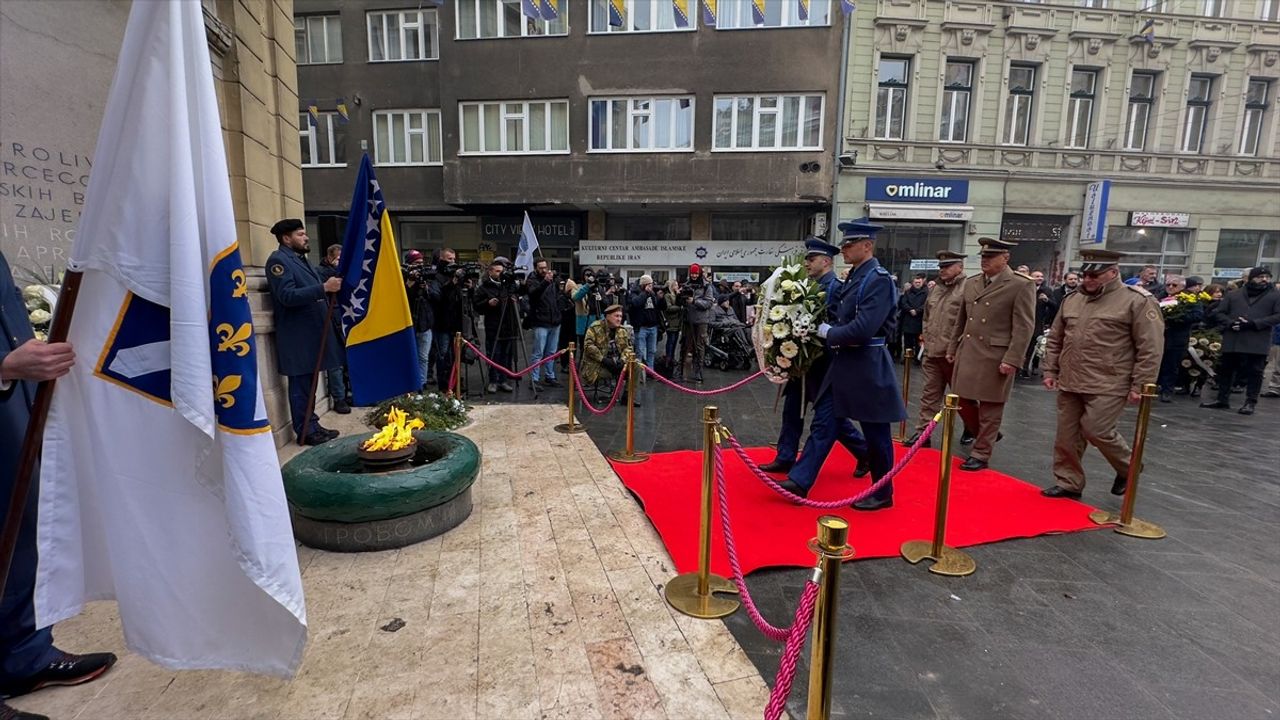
x=588, y=302
x=544, y=318
x=423, y=294
x=606, y=342
x=646, y=308
x=449, y=311
x=495, y=299
x=697, y=296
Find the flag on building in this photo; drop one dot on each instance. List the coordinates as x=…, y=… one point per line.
x=708, y=12
x=848, y=5
x=528, y=246
x=757, y=11
x=802, y=10
x=343, y=115
x=530, y=9
x=382, y=350
x=1148, y=31
x=681, y=11
x=313, y=113
x=550, y=9
x=160, y=485
x=617, y=13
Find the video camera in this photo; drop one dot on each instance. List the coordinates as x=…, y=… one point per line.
x=605, y=279
x=470, y=271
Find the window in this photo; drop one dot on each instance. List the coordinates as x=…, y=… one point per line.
x=1239, y=250
x=769, y=122
x=1212, y=8
x=407, y=137
x=957, y=87
x=1093, y=3
x=1018, y=106
x=642, y=16
x=632, y=228
x=403, y=35
x=745, y=227
x=1083, y=86
x=318, y=39
x=1167, y=248
x=1255, y=109
x=325, y=144
x=483, y=19
x=534, y=127
x=891, y=98
x=1270, y=10
x=1142, y=93
x=654, y=124
x=1199, y=101
x=737, y=15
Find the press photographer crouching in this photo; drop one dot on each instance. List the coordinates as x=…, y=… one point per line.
x=603, y=348
x=544, y=318
x=495, y=299
x=423, y=292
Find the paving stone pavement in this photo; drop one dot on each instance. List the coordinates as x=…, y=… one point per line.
x=545, y=603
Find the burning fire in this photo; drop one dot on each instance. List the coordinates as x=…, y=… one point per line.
x=396, y=434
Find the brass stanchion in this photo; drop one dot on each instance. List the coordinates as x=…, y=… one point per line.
x=832, y=548
x=1125, y=522
x=907, y=356
x=629, y=454
x=457, y=365
x=573, y=426
x=694, y=593
x=946, y=560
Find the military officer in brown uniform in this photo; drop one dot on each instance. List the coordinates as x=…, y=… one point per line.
x=940, y=311
x=993, y=327
x=1105, y=344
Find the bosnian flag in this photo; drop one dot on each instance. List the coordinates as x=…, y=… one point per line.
x=160, y=486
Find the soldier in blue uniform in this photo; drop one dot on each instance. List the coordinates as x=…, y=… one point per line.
x=28, y=659
x=860, y=384
x=817, y=264
x=299, y=305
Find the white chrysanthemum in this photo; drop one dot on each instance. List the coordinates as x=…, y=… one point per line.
x=1186, y=363
x=789, y=349
x=39, y=316
x=777, y=313
x=788, y=285
x=32, y=292
x=783, y=362
x=1204, y=342
x=781, y=330
x=1215, y=346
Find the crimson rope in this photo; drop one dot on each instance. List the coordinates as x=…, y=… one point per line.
x=582, y=393
x=791, y=654
x=510, y=373
x=691, y=391
x=831, y=504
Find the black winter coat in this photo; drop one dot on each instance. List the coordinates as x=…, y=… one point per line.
x=913, y=299
x=644, y=309
x=1262, y=310
x=544, y=303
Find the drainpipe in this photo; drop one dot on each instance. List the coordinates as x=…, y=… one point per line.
x=838, y=148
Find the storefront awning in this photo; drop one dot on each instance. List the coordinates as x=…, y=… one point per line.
x=914, y=211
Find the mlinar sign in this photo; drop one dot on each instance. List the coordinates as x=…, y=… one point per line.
x=917, y=190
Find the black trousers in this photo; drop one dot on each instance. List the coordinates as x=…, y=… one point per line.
x=1243, y=366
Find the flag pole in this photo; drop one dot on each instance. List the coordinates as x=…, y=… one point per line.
x=63, y=311
x=315, y=375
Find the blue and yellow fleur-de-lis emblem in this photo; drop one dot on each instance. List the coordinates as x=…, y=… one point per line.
x=233, y=357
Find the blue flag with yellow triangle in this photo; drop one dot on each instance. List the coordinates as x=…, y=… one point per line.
x=382, y=349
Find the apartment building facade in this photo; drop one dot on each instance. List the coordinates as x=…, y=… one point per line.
x=1148, y=128
x=639, y=147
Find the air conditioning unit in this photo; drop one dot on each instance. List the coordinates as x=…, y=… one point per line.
x=818, y=225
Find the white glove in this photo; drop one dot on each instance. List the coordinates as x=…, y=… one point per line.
x=823, y=329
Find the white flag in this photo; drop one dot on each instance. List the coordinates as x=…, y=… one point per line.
x=528, y=245
x=160, y=486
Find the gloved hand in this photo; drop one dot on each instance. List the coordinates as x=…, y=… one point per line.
x=823, y=329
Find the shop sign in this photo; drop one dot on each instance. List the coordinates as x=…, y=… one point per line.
x=1155, y=218
x=549, y=228
x=924, y=264
x=736, y=276
x=1093, y=229
x=674, y=254
x=1229, y=273
x=883, y=211
x=917, y=190
x=1033, y=228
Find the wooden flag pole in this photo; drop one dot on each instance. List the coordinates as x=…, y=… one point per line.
x=315, y=374
x=63, y=311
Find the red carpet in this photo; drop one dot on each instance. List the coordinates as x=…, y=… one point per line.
x=986, y=507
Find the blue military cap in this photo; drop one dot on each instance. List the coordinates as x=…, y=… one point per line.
x=858, y=229
x=817, y=246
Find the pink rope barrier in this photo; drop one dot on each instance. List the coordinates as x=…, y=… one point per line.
x=791, y=654
x=691, y=391
x=511, y=373
x=582, y=393
x=831, y=504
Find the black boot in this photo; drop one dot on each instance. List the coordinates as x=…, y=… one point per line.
x=1247, y=409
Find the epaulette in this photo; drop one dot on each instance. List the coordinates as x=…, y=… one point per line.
x=1023, y=276
x=1140, y=290
x=880, y=269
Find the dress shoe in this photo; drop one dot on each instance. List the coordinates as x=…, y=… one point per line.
x=342, y=408
x=1247, y=409
x=967, y=438
x=777, y=466
x=1216, y=405
x=973, y=464
x=327, y=431
x=316, y=438
x=873, y=503
x=66, y=669
x=1057, y=491
x=863, y=468
x=1119, y=485
x=8, y=712
x=790, y=486
x=1271, y=394
x=1166, y=396
x=911, y=440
